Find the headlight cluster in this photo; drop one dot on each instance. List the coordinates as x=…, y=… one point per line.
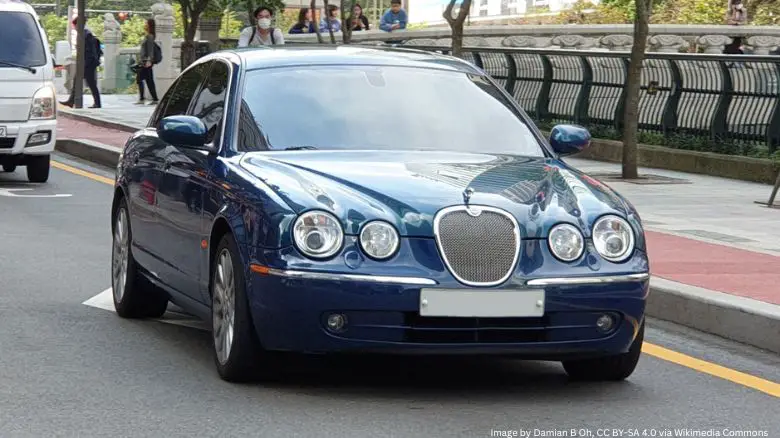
x=43, y=106
x=612, y=236
x=319, y=235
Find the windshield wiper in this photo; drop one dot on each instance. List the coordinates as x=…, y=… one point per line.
x=23, y=67
x=300, y=148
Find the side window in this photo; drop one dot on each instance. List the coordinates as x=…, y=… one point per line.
x=186, y=86
x=210, y=102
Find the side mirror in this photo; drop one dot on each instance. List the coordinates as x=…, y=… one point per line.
x=569, y=139
x=184, y=131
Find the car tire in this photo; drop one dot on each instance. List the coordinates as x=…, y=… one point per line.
x=10, y=168
x=608, y=368
x=237, y=351
x=134, y=295
x=38, y=168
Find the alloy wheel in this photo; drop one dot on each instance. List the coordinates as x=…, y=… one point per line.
x=121, y=252
x=224, y=306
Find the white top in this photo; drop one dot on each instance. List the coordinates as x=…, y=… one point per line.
x=243, y=40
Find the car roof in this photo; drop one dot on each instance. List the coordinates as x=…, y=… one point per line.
x=16, y=6
x=288, y=56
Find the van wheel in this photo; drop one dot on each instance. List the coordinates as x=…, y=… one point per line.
x=38, y=168
x=10, y=168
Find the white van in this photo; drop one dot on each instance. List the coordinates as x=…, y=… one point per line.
x=28, y=105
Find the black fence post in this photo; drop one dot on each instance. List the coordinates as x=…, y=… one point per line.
x=669, y=122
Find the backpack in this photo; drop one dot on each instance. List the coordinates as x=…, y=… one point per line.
x=157, y=55
x=93, y=56
x=254, y=32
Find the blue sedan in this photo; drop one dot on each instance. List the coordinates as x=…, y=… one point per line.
x=350, y=199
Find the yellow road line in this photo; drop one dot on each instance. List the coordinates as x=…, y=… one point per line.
x=83, y=173
x=712, y=369
x=702, y=366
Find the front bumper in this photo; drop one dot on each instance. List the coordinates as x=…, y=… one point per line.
x=18, y=135
x=290, y=310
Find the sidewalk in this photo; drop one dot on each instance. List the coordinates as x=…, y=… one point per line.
x=714, y=253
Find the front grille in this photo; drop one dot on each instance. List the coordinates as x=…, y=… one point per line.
x=7, y=142
x=479, y=250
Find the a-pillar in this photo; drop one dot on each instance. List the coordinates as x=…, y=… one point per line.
x=164, y=72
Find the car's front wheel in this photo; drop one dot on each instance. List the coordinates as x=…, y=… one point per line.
x=237, y=350
x=10, y=168
x=134, y=295
x=608, y=368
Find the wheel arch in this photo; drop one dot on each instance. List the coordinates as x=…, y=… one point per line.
x=119, y=194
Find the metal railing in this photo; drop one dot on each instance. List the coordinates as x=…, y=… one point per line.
x=718, y=103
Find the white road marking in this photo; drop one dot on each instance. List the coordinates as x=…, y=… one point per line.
x=10, y=193
x=104, y=300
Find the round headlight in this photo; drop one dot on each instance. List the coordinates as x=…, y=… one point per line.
x=379, y=239
x=613, y=238
x=566, y=242
x=318, y=234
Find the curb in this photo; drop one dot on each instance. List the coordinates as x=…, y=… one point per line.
x=89, y=150
x=744, y=320
x=97, y=121
x=736, y=318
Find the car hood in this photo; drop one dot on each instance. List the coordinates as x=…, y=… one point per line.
x=407, y=188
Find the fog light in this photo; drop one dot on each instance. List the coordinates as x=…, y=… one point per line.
x=39, y=138
x=336, y=322
x=605, y=323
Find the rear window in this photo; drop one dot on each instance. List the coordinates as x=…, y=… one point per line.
x=27, y=47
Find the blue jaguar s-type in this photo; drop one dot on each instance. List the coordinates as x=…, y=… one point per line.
x=349, y=199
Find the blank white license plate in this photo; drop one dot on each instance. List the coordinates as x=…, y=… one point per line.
x=3, y=131
x=482, y=303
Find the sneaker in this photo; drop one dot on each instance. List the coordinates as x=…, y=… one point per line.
x=153, y=102
x=140, y=102
x=68, y=104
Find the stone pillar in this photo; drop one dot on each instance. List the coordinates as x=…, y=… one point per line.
x=763, y=45
x=668, y=43
x=208, y=30
x=164, y=72
x=714, y=44
x=617, y=42
x=112, y=39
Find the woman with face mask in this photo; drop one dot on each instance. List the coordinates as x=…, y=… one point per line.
x=262, y=34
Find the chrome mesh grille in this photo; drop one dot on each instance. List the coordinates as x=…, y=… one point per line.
x=478, y=250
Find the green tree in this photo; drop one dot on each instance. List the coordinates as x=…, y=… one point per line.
x=644, y=10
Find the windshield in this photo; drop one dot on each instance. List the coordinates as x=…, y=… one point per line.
x=372, y=107
x=27, y=48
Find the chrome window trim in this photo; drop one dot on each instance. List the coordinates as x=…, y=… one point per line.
x=574, y=281
x=311, y=275
x=468, y=208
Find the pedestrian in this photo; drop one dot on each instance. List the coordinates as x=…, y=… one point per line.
x=359, y=20
x=149, y=55
x=263, y=34
x=330, y=21
x=305, y=24
x=394, y=18
x=92, y=54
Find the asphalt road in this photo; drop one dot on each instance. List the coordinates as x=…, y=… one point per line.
x=70, y=369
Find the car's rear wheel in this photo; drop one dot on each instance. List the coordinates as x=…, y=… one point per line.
x=237, y=350
x=134, y=295
x=608, y=368
x=38, y=168
x=10, y=168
